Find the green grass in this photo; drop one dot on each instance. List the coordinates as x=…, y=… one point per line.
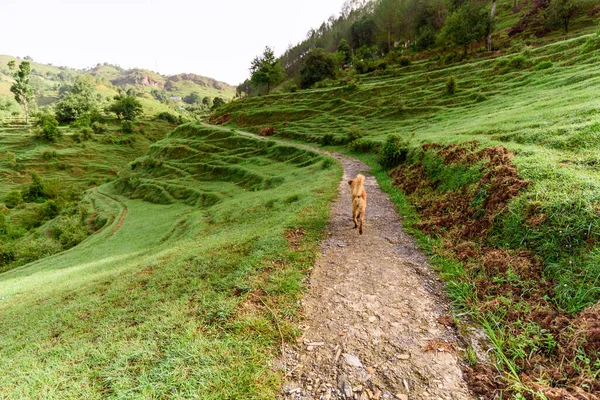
x=174, y=303
x=548, y=117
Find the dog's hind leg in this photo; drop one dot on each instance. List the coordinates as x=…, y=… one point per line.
x=355, y=212
x=360, y=226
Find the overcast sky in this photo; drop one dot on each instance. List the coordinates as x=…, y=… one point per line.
x=216, y=38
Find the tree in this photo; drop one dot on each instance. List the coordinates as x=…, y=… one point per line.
x=192, y=98
x=386, y=16
x=206, y=101
x=467, y=25
x=217, y=102
x=243, y=88
x=266, y=70
x=363, y=32
x=344, y=48
x=318, y=65
x=563, y=11
x=49, y=127
x=22, y=87
x=126, y=107
x=488, y=43
x=79, y=100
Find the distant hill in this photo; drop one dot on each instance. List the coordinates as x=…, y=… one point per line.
x=179, y=85
x=47, y=80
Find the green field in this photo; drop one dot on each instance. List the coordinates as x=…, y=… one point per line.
x=183, y=296
x=513, y=232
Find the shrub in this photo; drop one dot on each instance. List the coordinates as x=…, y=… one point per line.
x=48, y=210
x=69, y=230
x=327, y=139
x=394, y=151
x=99, y=128
x=76, y=137
x=35, y=190
x=543, y=65
x=49, y=155
x=165, y=116
x=86, y=133
x=3, y=225
x=518, y=62
x=49, y=126
x=34, y=249
x=13, y=199
x=501, y=63
x=593, y=43
x=127, y=126
x=365, y=66
x=293, y=89
x=327, y=163
x=404, y=61
x=354, y=133
x=11, y=159
x=451, y=85
x=364, y=145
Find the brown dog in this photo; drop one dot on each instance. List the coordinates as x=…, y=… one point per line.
x=359, y=201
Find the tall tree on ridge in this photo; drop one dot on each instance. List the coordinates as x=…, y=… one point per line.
x=386, y=15
x=22, y=88
x=266, y=69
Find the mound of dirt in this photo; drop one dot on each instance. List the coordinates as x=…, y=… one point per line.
x=457, y=210
x=562, y=358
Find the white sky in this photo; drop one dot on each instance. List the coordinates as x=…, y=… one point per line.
x=216, y=38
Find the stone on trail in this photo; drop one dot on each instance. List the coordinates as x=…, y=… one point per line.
x=352, y=360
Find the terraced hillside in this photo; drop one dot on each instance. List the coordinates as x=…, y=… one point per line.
x=499, y=180
x=188, y=289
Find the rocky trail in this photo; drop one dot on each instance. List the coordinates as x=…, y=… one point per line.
x=376, y=321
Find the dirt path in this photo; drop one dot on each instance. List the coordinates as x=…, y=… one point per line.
x=373, y=308
x=374, y=312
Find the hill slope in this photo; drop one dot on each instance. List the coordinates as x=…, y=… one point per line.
x=174, y=297
x=502, y=175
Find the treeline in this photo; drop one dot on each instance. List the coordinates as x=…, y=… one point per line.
x=370, y=30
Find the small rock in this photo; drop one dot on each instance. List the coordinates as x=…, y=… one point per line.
x=309, y=348
x=377, y=395
x=370, y=370
x=406, y=385
x=352, y=360
x=403, y=356
x=402, y=396
x=372, y=319
x=296, y=390
x=358, y=389
x=345, y=386
x=315, y=344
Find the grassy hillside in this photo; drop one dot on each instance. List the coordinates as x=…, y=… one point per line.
x=187, y=290
x=500, y=173
x=67, y=168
